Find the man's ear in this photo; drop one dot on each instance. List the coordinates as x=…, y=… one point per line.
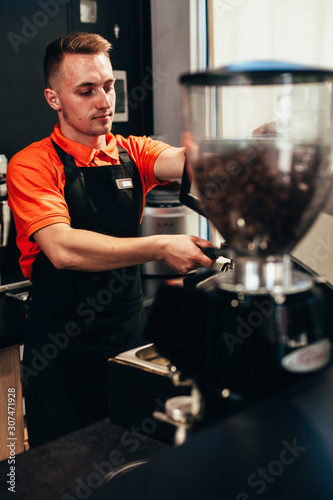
x=52, y=98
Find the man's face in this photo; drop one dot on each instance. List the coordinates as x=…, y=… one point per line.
x=86, y=98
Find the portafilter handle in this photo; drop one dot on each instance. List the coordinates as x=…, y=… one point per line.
x=215, y=252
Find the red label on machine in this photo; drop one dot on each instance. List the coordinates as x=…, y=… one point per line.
x=308, y=359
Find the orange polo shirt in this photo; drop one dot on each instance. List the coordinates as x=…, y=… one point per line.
x=36, y=180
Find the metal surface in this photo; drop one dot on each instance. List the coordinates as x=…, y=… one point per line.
x=4, y=223
x=18, y=286
x=182, y=411
x=167, y=220
x=251, y=277
x=146, y=357
x=124, y=469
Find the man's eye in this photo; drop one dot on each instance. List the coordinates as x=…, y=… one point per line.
x=88, y=92
x=109, y=90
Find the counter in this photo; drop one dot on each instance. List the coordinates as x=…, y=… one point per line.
x=75, y=465
x=282, y=448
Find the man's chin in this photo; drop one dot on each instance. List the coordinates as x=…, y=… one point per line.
x=102, y=129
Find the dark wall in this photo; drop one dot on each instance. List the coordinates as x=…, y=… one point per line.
x=26, y=26
x=131, y=52
x=24, y=112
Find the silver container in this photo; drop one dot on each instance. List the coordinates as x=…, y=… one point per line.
x=4, y=223
x=4, y=209
x=164, y=214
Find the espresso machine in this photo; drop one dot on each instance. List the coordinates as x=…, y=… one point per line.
x=258, y=140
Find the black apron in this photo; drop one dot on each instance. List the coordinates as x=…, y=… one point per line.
x=77, y=320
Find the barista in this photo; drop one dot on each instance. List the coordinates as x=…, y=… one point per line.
x=77, y=199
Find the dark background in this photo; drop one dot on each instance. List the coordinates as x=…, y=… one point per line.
x=26, y=27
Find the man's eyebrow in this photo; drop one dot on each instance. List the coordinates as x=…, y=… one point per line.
x=92, y=84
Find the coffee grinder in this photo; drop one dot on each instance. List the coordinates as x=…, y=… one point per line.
x=258, y=139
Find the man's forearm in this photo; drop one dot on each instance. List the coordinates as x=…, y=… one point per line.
x=83, y=250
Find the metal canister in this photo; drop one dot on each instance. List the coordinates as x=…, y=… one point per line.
x=3, y=175
x=4, y=209
x=164, y=214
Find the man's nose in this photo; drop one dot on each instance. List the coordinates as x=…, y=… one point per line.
x=103, y=100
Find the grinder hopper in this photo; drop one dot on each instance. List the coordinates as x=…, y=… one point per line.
x=258, y=140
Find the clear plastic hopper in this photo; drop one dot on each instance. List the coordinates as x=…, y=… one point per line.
x=258, y=140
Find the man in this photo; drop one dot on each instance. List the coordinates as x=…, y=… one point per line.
x=77, y=199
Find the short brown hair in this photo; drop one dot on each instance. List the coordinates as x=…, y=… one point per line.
x=74, y=43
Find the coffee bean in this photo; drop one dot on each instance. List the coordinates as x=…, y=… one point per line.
x=261, y=196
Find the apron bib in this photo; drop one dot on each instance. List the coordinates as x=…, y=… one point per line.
x=77, y=320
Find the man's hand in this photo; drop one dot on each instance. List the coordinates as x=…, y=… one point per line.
x=183, y=253
x=266, y=129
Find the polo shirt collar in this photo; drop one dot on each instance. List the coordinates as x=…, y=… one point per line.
x=84, y=155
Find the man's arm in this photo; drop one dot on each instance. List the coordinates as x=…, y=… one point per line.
x=170, y=164
x=76, y=249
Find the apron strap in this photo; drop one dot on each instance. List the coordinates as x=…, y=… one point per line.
x=68, y=161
